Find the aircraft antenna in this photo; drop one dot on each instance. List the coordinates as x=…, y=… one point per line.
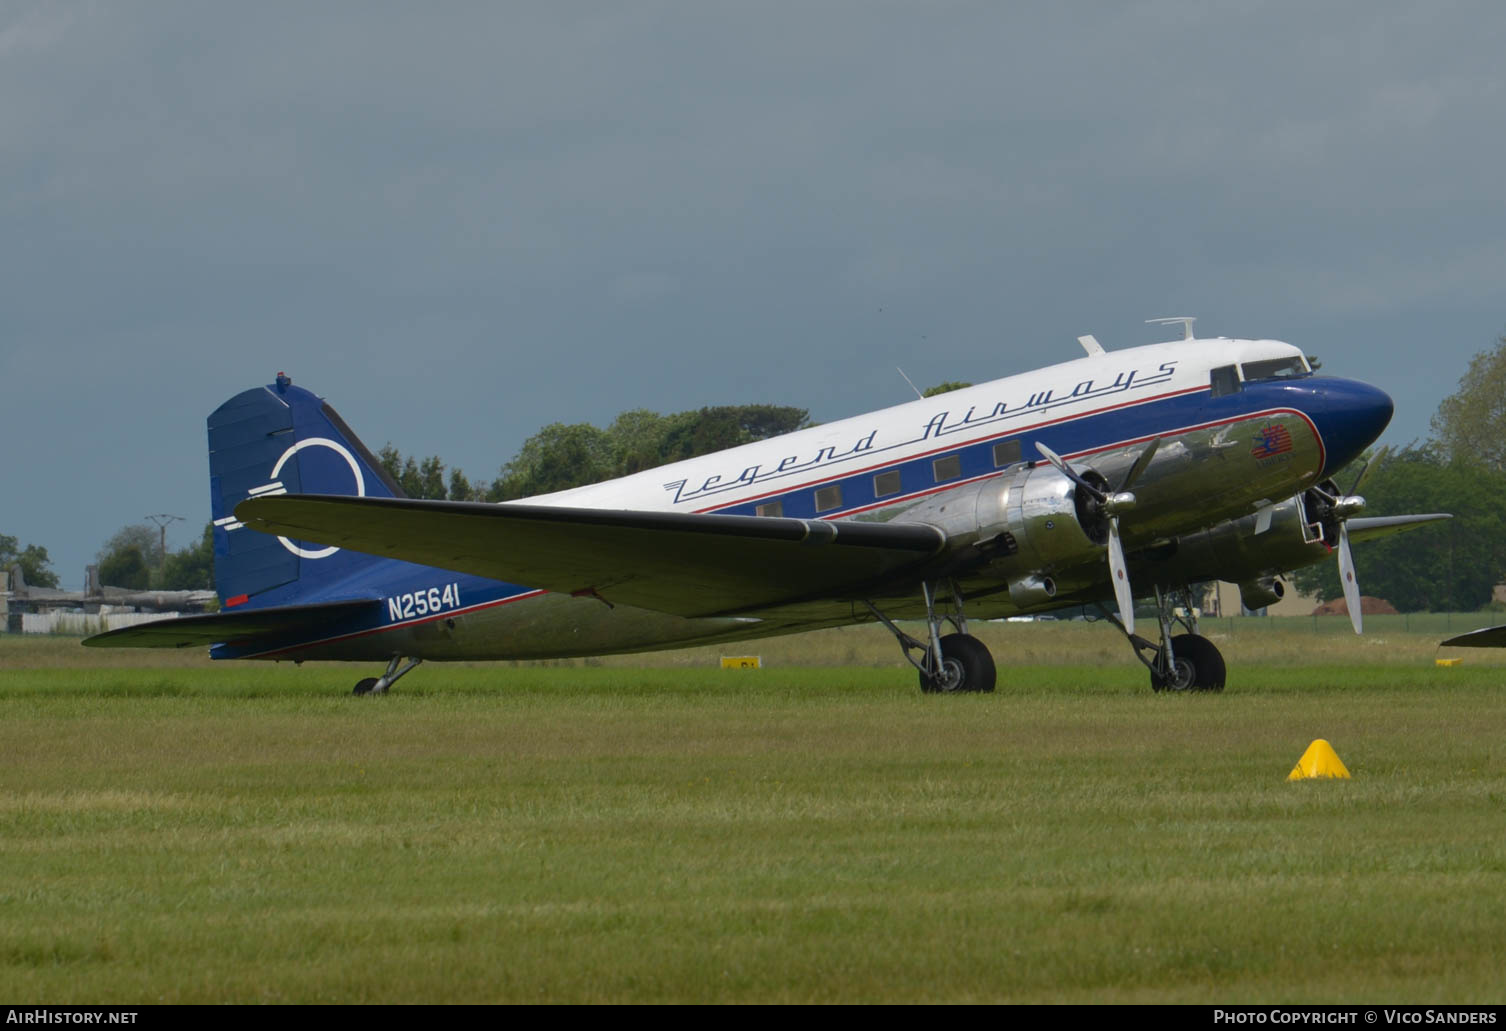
x=912, y=385
x=1185, y=320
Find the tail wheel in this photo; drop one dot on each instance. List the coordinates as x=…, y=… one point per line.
x=1198, y=667
x=966, y=665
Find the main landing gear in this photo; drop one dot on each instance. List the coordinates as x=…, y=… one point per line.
x=955, y=663
x=379, y=685
x=1184, y=662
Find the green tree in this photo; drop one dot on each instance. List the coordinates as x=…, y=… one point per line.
x=423, y=479
x=1451, y=566
x=190, y=569
x=32, y=559
x=1470, y=424
x=146, y=540
x=944, y=388
x=462, y=490
x=391, y=461
x=557, y=457
x=689, y=434
x=636, y=437
x=125, y=567
x=426, y=479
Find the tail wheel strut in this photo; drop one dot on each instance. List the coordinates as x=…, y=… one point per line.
x=379, y=685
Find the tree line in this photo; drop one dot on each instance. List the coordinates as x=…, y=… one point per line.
x=559, y=456
x=1443, y=567
x=565, y=455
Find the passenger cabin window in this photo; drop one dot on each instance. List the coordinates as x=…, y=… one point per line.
x=948, y=468
x=1006, y=452
x=885, y=484
x=1274, y=368
x=1223, y=380
x=772, y=508
x=828, y=498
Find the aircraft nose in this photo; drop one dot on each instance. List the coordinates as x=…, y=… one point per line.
x=1353, y=415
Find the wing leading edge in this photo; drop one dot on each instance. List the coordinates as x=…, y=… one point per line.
x=685, y=564
x=1369, y=528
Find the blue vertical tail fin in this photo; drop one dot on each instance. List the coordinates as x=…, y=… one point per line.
x=282, y=439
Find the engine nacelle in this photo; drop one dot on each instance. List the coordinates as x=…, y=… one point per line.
x=1248, y=551
x=1258, y=593
x=1026, y=524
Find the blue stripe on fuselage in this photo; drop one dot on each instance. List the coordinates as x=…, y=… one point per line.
x=1071, y=435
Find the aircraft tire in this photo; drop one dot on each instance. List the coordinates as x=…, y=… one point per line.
x=1199, y=666
x=967, y=667
x=364, y=687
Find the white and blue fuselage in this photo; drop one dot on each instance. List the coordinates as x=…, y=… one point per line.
x=1240, y=424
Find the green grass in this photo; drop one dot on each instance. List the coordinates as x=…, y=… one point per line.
x=179, y=831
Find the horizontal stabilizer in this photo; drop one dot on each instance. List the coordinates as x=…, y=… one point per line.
x=231, y=627
x=1490, y=637
x=1369, y=528
x=681, y=563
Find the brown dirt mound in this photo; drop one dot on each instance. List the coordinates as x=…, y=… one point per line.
x=1368, y=607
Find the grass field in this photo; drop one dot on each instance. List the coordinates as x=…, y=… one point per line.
x=657, y=830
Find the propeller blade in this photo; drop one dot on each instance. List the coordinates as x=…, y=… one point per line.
x=1119, y=572
x=1067, y=471
x=1141, y=464
x=1346, y=576
x=1379, y=458
x=1118, y=569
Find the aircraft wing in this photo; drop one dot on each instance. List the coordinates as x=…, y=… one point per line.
x=686, y=564
x=231, y=627
x=1369, y=528
x=1489, y=637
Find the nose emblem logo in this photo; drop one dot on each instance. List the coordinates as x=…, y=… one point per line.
x=1273, y=439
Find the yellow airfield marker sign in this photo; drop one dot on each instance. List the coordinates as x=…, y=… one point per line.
x=742, y=662
x=1320, y=760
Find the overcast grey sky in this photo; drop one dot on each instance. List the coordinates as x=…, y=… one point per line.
x=460, y=222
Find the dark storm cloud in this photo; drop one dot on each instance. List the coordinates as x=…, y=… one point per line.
x=463, y=221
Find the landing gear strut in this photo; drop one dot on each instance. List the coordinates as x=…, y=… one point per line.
x=1184, y=662
x=955, y=663
x=379, y=685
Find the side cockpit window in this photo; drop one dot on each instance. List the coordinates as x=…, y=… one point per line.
x=1223, y=380
x=1275, y=368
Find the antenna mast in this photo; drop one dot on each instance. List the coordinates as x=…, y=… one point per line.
x=1185, y=320
x=161, y=520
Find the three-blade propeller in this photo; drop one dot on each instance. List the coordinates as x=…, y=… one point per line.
x=1111, y=505
x=1341, y=508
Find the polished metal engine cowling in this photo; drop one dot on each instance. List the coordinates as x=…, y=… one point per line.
x=1026, y=523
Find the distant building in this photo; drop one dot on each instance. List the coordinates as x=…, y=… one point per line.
x=29, y=609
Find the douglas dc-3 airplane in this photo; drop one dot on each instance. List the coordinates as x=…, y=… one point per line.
x=1121, y=474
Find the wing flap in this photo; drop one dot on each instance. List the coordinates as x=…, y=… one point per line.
x=230, y=627
x=686, y=564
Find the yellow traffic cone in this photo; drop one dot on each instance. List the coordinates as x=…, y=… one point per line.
x=1320, y=760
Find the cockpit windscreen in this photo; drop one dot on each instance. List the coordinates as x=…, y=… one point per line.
x=1275, y=368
